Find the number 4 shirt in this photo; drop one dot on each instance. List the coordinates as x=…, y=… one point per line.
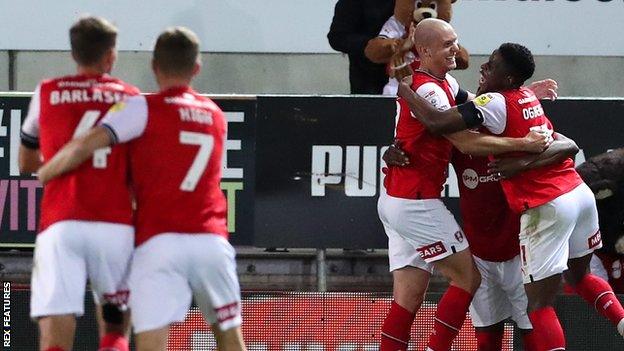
x=175, y=144
x=514, y=113
x=60, y=110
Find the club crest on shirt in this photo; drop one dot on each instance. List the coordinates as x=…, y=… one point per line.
x=459, y=236
x=482, y=100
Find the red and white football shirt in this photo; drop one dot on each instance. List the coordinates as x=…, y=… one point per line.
x=429, y=155
x=514, y=113
x=176, y=146
x=60, y=110
x=489, y=224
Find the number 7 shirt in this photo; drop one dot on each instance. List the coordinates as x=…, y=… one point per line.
x=175, y=140
x=514, y=113
x=60, y=110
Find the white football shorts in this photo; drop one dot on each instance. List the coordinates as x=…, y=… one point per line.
x=69, y=252
x=419, y=231
x=501, y=294
x=564, y=228
x=170, y=269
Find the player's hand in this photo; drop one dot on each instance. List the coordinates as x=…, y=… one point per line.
x=394, y=156
x=545, y=89
x=400, y=62
x=43, y=175
x=400, y=65
x=506, y=168
x=536, y=141
x=405, y=90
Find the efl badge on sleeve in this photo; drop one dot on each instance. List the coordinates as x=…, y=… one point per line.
x=483, y=100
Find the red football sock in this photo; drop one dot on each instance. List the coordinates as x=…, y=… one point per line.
x=598, y=293
x=489, y=340
x=114, y=342
x=54, y=348
x=395, y=332
x=529, y=341
x=547, y=329
x=449, y=318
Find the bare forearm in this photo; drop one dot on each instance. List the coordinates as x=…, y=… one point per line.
x=75, y=153
x=558, y=151
x=437, y=122
x=380, y=50
x=67, y=159
x=478, y=144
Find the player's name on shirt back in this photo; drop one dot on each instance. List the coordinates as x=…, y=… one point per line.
x=190, y=114
x=88, y=91
x=191, y=109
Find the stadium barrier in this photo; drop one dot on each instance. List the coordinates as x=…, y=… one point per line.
x=294, y=321
x=299, y=171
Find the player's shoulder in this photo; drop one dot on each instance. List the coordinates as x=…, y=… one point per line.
x=490, y=99
x=209, y=103
x=133, y=105
x=114, y=83
x=453, y=84
x=450, y=79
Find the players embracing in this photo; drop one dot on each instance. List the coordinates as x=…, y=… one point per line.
x=422, y=233
x=174, y=142
x=558, y=219
x=86, y=217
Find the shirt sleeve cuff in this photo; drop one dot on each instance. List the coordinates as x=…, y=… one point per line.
x=29, y=141
x=111, y=133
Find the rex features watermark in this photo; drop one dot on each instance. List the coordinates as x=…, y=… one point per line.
x=6, y=318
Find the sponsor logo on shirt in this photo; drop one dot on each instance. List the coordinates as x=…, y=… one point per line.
x=471, y=178
x=594, y=240
x=433, y=250
x=482, y=100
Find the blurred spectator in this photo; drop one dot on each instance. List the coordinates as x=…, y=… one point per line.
x=355, y=23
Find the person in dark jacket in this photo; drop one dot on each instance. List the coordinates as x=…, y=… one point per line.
x=355, y=23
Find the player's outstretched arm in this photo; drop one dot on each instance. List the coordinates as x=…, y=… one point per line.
x=437, y=122
x=74, y=153
x=479, y=144
x=559, y=150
